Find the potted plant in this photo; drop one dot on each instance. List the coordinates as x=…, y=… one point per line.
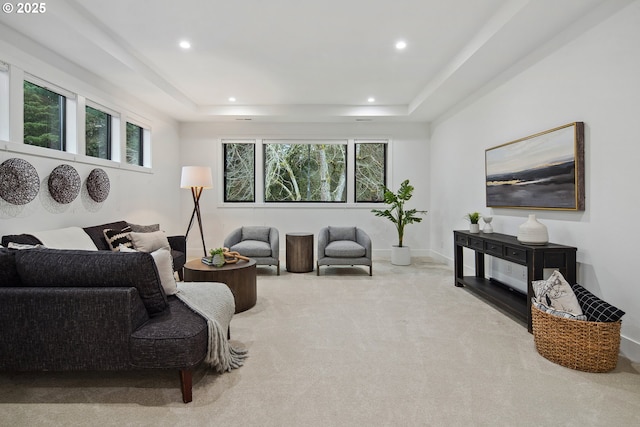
x=396, y=213
x=217, y=257
x=473, y=218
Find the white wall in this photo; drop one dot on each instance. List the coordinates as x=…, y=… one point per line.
x=200, y=145
x=593, y=79
x=149, y=195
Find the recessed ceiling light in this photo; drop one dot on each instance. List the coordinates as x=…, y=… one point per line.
x=232, y=99
x=371, y=99
x=185, y=44
x=401, y=45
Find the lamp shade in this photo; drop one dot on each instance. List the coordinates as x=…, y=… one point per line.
x=196, y=176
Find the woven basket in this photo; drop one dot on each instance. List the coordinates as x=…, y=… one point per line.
x=576, y=344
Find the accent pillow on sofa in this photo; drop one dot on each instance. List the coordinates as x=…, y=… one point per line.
x=66, y=238
x=115, y=238
x=594, y=308
x=144, y=228
x=149, y=242
x=556, y=293
x=164, y=264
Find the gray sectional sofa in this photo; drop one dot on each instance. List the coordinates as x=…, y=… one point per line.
x=65, y=310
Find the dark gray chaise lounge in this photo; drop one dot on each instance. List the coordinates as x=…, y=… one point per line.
x=65, y=310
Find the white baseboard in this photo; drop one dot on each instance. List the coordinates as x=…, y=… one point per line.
x=630, y=349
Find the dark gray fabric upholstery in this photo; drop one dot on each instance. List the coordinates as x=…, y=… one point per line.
x=81, y=310
x=74, y=268
x=63, y=329
x=175, y=339
x=8, y=272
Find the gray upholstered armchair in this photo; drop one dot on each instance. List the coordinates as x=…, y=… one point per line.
x=344, y=246
x=259, y=243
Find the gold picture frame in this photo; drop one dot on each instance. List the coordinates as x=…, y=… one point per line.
x=541, y=171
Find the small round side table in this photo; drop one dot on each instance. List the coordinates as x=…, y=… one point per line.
x=299, y=252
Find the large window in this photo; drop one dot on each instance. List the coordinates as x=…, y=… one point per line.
x=44, y=117
x=370, y=171
x=239, y=172
x=305, y=172
x=135, y=144
x=98, y=133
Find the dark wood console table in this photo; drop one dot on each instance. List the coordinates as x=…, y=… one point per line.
x=535, y=257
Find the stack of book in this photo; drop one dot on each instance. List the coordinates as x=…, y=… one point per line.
x=207, y=260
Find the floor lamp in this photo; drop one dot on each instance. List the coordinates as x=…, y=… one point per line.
x=197, y=178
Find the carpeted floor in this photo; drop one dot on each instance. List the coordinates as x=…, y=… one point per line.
x=402, y=348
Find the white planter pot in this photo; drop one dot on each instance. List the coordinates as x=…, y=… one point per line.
x=400, y=255
x=474, y=228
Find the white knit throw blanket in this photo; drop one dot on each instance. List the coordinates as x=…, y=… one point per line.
x=214, y=301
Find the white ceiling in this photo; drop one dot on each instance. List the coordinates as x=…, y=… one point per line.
x=294, y=60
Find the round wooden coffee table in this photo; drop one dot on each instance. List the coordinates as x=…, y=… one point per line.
x=239, y=277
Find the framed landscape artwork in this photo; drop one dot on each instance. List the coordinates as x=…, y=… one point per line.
x=541, y=171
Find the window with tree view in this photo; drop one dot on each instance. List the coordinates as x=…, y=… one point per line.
x=239, y=172
x=370, y=171
x=305, y=172
x=98, y=133
x=134, y=144
x=44, y=117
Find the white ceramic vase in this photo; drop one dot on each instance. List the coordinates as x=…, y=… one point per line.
x=488, y=228
x=533, y=232
x=400, y=255
x=474, y=228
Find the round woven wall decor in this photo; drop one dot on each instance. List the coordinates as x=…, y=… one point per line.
x=98, y=185
x=19, y=181
x=64, y=184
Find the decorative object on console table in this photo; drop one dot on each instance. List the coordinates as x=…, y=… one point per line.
x=487, y=229
x=473, y=218
x=535, y=258
x=400, y=255
x=533, y=232
x=196, y=178
x=544, y=171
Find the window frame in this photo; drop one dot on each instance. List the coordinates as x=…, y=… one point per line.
x=385, y=172
x=340, y=141
x=259, y=172
x=65, y=98
x=141, y=143
x=110, y=132
x=226, y=142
